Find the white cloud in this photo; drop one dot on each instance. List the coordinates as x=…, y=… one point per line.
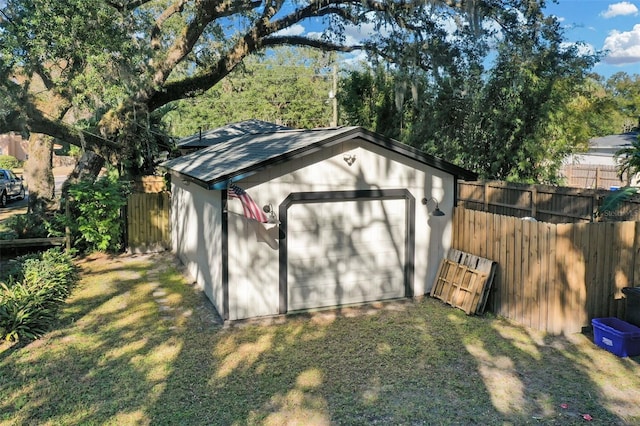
x=314, y=34
x=355, y=59
x=584, y=49
x=293, y=30
x=623, y=47
x=357, y=34
x=620, y=9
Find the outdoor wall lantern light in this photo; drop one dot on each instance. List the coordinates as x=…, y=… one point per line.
x=436, y=211
x=349, y=159
x=268, y=209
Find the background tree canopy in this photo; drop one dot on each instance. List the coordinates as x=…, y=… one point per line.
x=290, y=86
x=483, y=83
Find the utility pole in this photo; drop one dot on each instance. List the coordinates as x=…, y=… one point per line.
x=334, y=96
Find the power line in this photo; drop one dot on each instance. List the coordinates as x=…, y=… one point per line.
x=86, y=132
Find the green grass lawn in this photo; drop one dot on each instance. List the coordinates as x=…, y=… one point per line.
x=138, y=345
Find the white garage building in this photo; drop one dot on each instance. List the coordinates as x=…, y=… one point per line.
x=347, y=222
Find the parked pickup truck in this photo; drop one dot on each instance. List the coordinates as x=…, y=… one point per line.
x=11, y=186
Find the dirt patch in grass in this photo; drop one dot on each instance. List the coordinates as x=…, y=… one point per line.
x=138, y=344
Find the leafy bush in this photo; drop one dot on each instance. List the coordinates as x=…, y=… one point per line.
x=9, y=162
x=53, y=269
x=95, y=213
x=8, y=234
x=33, y=294
x=25, y=313
x=11, y=270
x=28, y=225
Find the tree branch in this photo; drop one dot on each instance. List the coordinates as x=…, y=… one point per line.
x=310, y=42
x=38, y=123
x=166, y=14
x=183, y=45
x=256, y=38
x=25, y=117
x=127, y=5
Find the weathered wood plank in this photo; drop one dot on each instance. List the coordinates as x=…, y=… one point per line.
x=511, y=260
x=591, y=283
x=607, y=258
x=148, y=216
x=518, y=293
x=527, y=263
x=543, y=283
x=560, y=296
x=534, y=282
x=33, y=242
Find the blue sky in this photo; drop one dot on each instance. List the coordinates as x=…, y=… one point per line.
x=611, y=25
x=604, y=25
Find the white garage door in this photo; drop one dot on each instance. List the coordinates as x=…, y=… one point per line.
x=345, y=252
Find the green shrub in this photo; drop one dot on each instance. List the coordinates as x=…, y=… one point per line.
x=29, y=225
x=9, y=162
x=96, y=222
x=8, y=234
x=25, y=313
x=54, y=269
x=33, y=293
x=11, y=270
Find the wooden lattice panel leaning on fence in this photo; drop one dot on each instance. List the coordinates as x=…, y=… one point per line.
x=464, y=281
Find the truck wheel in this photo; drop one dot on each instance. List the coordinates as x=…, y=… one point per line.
x=21, y=195
x=3, y=199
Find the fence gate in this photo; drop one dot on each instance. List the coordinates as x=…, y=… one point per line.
x=148, y=225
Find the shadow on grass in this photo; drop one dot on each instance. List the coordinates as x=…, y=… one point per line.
x=423, y=364
x=139, y=346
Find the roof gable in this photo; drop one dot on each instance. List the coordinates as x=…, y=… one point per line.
x=228, y=159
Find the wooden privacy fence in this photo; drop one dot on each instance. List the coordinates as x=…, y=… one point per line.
x=148, y=226
x=592, y=176
x=553, y=277
x=547, y=203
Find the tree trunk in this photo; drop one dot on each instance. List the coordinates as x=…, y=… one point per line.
x=87, y=167
x=39, y=173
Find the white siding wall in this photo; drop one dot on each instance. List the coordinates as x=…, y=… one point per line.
x=197, y=237
x=253, y=264
x=595, y=158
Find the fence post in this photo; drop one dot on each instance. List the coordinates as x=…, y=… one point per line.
x=486, y=196
x=534, y=201
x=67, y=229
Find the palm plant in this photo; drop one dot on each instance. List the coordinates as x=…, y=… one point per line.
x=628, y=160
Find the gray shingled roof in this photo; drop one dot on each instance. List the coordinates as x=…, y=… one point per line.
x=232, y=158
x=612, y=143
x=210, y=137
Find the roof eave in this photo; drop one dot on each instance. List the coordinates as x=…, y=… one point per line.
x=418, y=155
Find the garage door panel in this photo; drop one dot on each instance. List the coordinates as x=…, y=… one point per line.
x=353, y=260
x=356, y=255
x=332, y=292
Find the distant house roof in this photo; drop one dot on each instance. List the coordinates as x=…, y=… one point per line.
x=612, y=143
x=209, y=137
x=227, y=158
